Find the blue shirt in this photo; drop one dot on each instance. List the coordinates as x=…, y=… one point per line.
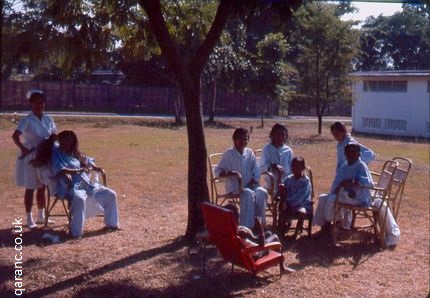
x=80, y=181
x=358, y=172
x=299, y=192
x=281, y=156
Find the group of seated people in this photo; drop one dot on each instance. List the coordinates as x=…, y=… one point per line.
x=294, y=187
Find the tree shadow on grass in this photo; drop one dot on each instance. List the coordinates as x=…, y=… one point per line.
x=317, y=251
x=221, y=285
x=217, y=282
x=41, y=236
x=119, y=264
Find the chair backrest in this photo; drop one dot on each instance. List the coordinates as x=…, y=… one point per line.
x=213, y=160
x=399, y=181
x=386, y=174
x=308, y=172
x=222, y=227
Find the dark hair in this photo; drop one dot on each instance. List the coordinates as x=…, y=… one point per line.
x=278, y=127
x=238, y=132
x=44, y=152
x=36, y=95
x=299, y=160
x=66, y=134
x=338, y=126
x=353, y=146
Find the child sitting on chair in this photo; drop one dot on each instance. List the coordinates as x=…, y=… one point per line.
x=296, y=192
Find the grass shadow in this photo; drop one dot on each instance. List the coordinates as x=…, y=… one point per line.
x=175, y=245
x=317, y=251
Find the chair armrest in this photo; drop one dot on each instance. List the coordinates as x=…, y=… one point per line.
x=272, y=245
x=99, y=171
x=234, y=174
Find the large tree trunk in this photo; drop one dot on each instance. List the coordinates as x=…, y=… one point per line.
x=188, y=75
x=197, y=159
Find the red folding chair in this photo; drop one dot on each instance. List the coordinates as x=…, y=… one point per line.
x=222, y=232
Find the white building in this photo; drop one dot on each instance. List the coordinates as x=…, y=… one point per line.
x=392, y=103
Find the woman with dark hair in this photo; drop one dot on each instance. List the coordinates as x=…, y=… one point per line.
x=65, y=158
x=277, y=156
x=31, y=131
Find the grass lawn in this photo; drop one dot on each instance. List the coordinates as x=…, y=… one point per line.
x=146, y=164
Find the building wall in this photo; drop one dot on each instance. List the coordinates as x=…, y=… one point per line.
x=393, y=113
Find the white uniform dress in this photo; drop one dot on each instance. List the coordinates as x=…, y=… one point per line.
x=33, y=131
x=252, y=201
x=282, y=156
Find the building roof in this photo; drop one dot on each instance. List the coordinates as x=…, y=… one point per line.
x=391, y=73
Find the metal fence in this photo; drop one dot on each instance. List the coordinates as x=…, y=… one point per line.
x=121, y=99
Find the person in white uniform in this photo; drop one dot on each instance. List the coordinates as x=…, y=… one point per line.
x=277, y=156
x=241, y=159
x=66, y=158
x=341, y=135
x=30, y=132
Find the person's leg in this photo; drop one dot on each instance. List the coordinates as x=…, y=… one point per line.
x=247, y=208
x=261, y=196
x=78, y=213
x=28, y=204
x=40, y=198
x=108, y=200
x=319, y=218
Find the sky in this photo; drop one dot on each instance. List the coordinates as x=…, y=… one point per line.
x=372, y=8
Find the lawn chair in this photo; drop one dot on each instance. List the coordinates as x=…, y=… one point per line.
x=222, y=232
x=375, y=214
x=286, y=217
x=398, y=187
x=269, y=181
x=52, y=200
x=218, y=193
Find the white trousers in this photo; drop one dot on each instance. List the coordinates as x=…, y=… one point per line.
x=252, y=203
x=105, y=197
x=325, y=212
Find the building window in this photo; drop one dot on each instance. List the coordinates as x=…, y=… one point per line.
x=385, y=86
x=371, y=122
x=395, y=124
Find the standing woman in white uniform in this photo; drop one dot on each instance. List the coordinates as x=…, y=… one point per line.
x=31, y=130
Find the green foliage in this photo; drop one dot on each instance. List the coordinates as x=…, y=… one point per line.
x=400, y=41
x=324, y=47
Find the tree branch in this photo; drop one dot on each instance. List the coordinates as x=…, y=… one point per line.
x=165, y=42
x=197, y=63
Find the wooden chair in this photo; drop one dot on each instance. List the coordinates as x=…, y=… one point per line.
x=218, y=194
x=51, y=201
x=222, y=228
x=286, y=217
x=399, y=181
x=269, y=181
x=373, y=215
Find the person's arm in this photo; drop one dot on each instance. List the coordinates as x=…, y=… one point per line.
x=16, y=139
x=366, y=154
